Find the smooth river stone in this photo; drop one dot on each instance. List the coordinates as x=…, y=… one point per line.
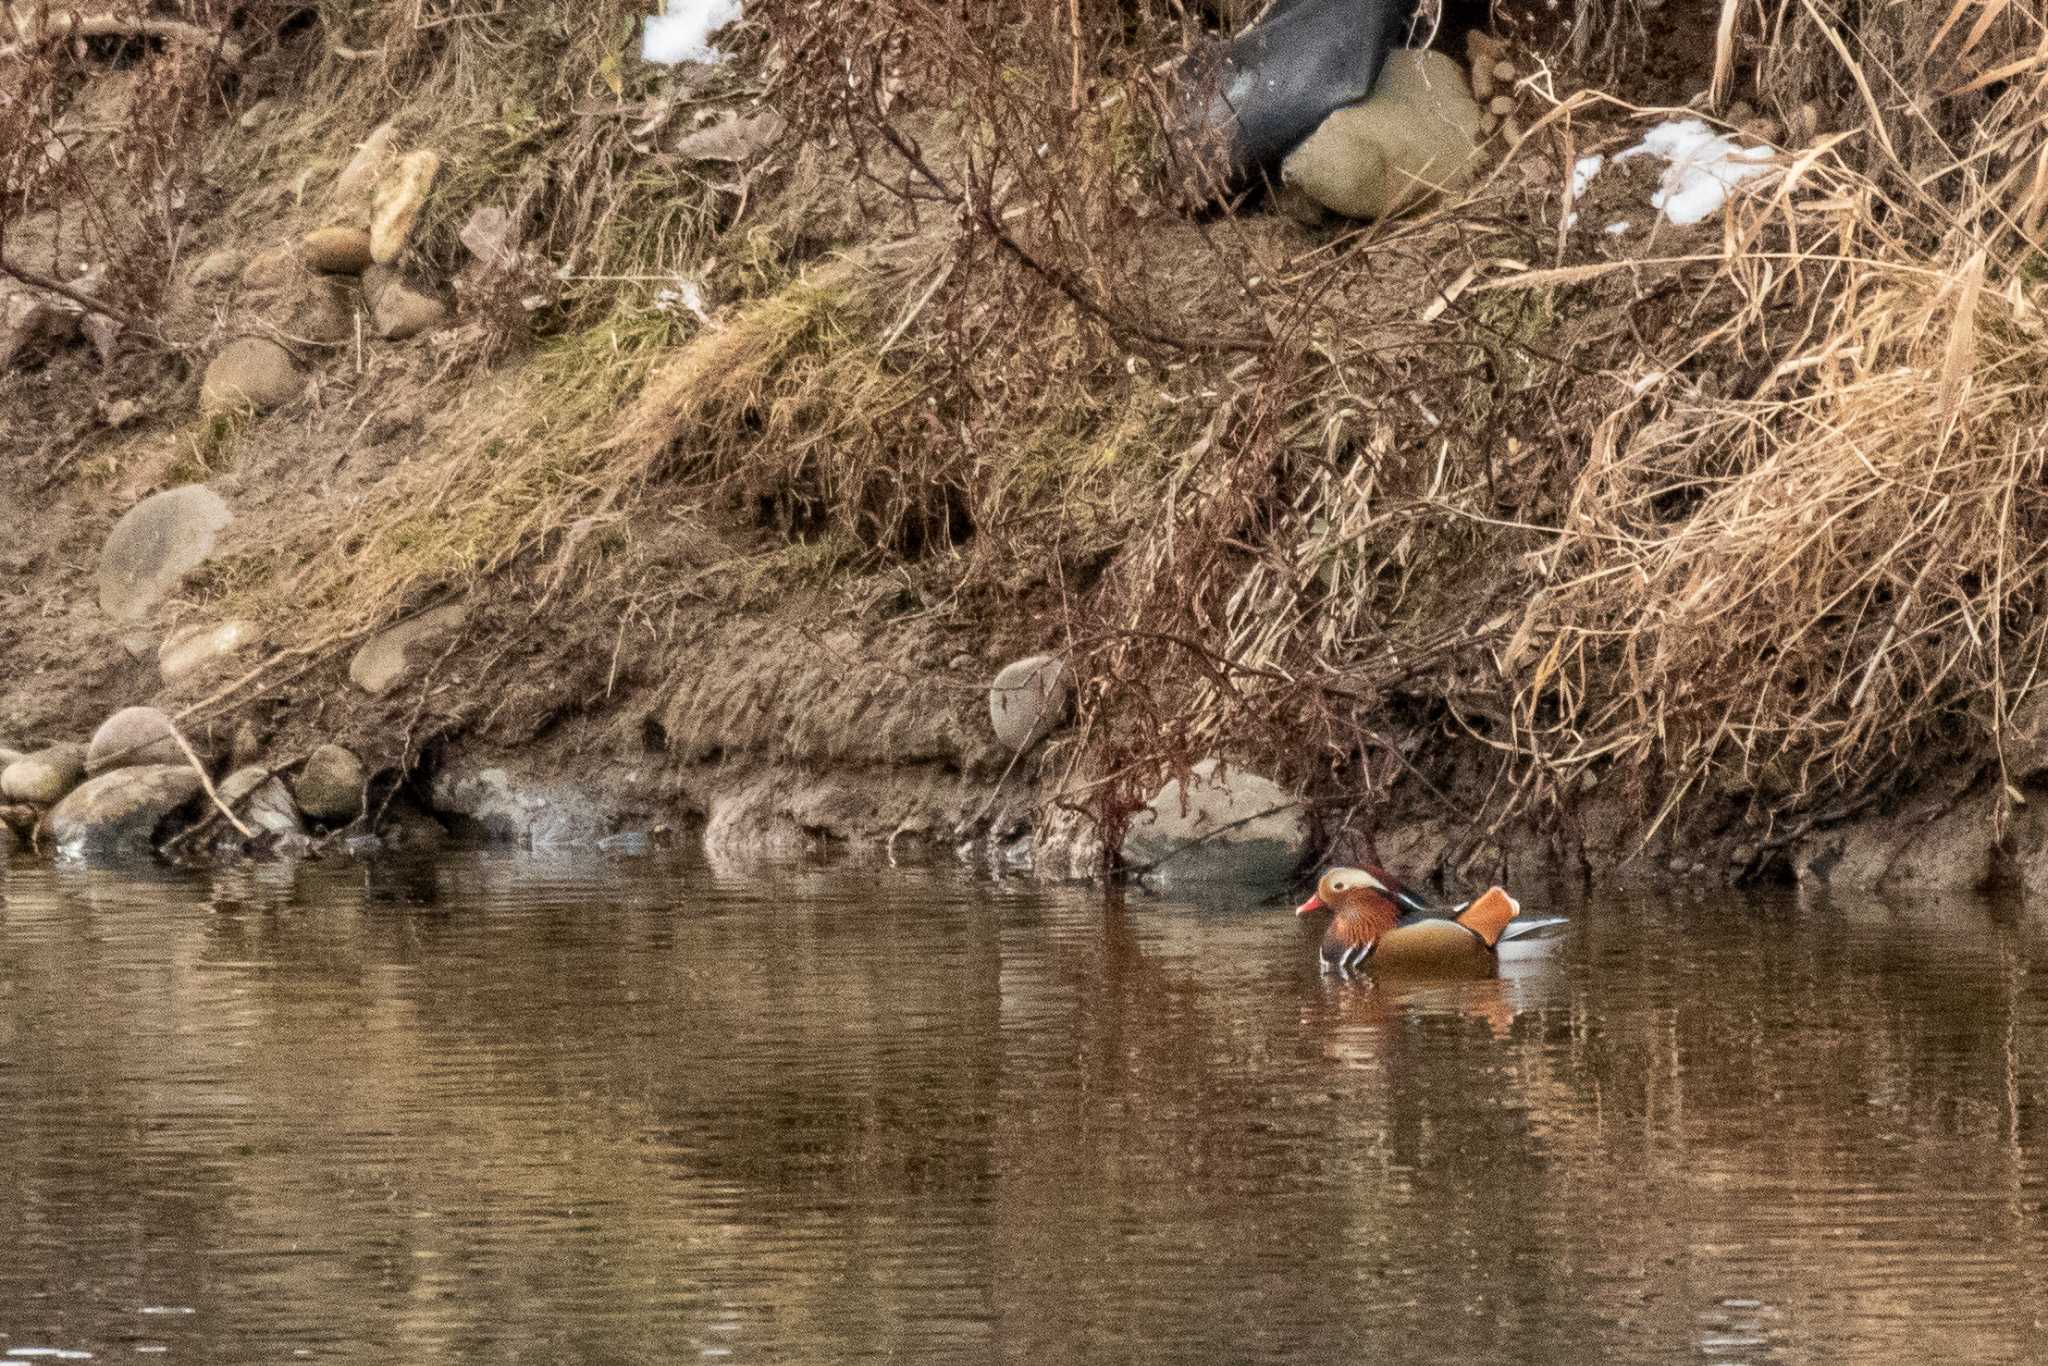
x=155, y=545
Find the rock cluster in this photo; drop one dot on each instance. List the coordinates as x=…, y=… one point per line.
x=310, y=294
x=118, y=795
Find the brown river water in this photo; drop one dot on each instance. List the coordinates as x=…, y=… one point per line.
x=501, y=1107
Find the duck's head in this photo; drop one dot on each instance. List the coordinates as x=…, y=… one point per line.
x=1341, y=887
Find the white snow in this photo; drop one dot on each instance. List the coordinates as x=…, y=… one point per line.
x=1584, y=171
x=683, y=33
x=1703, y=167
x=1617, y=227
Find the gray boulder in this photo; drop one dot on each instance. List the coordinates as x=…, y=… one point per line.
x=330, y=787
x=117, y=814
x=45, y=776
x=1220, y=827
x=131, y=737
x=155, y=545
x=262, y=801
x=1027, y=700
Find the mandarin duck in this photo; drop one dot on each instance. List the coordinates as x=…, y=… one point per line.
x=1378, y=920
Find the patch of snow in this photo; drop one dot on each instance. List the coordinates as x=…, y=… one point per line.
x=1583, y=172
x=1704, y=167
x=683, y=32
x=1617, y=227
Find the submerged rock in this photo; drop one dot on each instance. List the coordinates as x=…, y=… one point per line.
x=1027, y=699
x=45, y=776
x=131, y=737
x=330, y=787
x=1228, y=827
x=117, y=814
x=1416, y=138
x=502, y=806
x=262, y=801
x=253, y=372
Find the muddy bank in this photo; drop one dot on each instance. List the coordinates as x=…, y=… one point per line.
x=603, y=450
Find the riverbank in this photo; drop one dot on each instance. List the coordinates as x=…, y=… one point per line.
x=738, y=425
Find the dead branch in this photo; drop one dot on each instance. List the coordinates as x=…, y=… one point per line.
x=68, y=24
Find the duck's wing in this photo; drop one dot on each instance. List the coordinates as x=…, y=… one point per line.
x=1522, y=930
x=1489, y=915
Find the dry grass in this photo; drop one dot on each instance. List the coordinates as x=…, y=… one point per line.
x=1759, y=516
x=1811, y=585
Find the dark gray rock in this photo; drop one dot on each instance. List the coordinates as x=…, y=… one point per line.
x=1245, y=105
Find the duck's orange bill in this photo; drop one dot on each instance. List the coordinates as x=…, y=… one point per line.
x=1314, y=903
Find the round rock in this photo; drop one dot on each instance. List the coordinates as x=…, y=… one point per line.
x=45, y=776
x=117, y=814
x=131, y=737
x=385, y=660
x=262, y=801
x=336, y=251
x=254, y=372
x=152, y=548
x=330, y=787
x=1027, y=700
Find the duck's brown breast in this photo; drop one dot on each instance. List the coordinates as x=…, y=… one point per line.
x=1437, y=947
